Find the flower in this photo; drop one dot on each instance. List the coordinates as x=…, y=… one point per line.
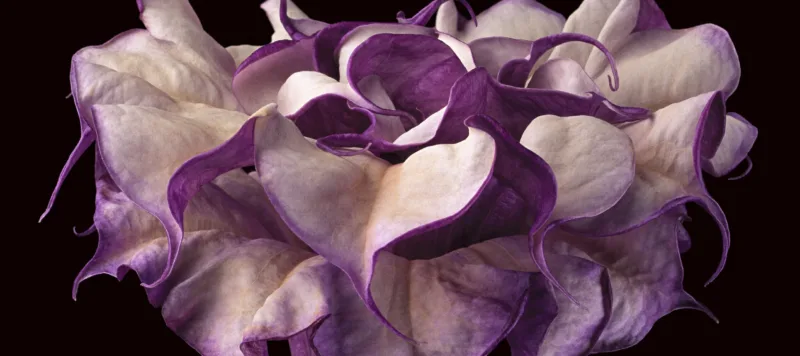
x=417, y=190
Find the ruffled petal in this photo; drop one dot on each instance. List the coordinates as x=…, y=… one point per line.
x=295, y=18
x=172, y=61
x=661, y=67
x=352, y=207
x=416, y=71
x=143, y=146
x=457, y=304
x=739, y=138
x=520, y=19
x=646, y=276
x=611, y=22
x=668, y=149
x=322, y=106
x=327, y=41
x=592, y=160
x=259, y=78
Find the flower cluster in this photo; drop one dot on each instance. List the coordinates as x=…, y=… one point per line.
x=417, y=190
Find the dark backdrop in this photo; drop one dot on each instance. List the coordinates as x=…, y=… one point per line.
x=114, y=318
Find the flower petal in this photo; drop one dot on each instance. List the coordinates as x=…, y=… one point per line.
x=687, y=63
x=241, y=52
x=355, y=37
x=565, y=75
x=155, y=67
x=645, y=272
x=574, y=328
x=739, y=138
x=321, y=106
x=295, y=18
x=452, y=305
x=259, y=78
x=493, y=52
x=417, y=71
x=520, y=19
x=143, y=146
x=611, y=22
x=352, y=207
x=592, y=160
x=668, y=150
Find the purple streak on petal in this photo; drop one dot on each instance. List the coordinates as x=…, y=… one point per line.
x=259, y=78
x=650, y=17
x=415, y=70
x=516, y=72
x=327, y=40
x=423, y=16
x=541, y=309
x=740, y=136
x=92, y=229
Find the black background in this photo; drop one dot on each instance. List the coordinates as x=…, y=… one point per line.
x=114, y=318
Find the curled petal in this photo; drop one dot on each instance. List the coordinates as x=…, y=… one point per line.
x=143, y=146
x=611, y=23
x=564, y=75
x=325, y=45
x=520, y=19
x=423, y=16
x=415, y=70
x=288, y=21
x=739, y=138
x=493, y=52
x=259, y=78
x=661, y=67
x=669, y=149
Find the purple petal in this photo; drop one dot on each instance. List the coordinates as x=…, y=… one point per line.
x=259, y=78
x=519, y=19
x=739, y=138
x=646, y=276
x=325, y=59
x=288, y=21
x=416, y=70
x=423, y=16
x=611, y=23
x=669, y=149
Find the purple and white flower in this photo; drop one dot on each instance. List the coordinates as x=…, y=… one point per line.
x=417, y=190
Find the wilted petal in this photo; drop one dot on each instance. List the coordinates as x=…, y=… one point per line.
x=457, y=304
x=259, y=78
x=646, y=276
x=520, y=19
x=143, y=146
x=661, y=67
x=241, y=52
x=668, y=149
x=611, y=22
x=739, y=138
x=295, y=18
